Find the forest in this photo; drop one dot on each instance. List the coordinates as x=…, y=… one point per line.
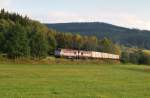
x=129, y=37
x=21, y=37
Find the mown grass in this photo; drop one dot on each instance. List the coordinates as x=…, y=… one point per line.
x=74, y=81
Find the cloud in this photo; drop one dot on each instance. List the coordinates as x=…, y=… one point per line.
x=132, y=21
x=121, y=19
x=5, y=3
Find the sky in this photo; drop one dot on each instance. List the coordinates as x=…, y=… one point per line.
x=127, y=13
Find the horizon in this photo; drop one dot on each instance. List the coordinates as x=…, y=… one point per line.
x=101, y=22
x=128, y=14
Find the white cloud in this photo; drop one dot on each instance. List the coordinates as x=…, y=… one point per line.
x=132, y=21
x=5, y=3
x=122, y=19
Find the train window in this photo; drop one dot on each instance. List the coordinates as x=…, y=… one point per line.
x=74, y=52
x=81, y=53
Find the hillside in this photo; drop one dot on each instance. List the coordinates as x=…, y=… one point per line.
x=121, y=35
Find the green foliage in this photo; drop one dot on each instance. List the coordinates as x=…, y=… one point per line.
x=136, y=56
x=38, y=45
x=21, y=37
x=91, y=43
x=76, y=41
x=16, y=18
x=106, y=45
x=52, y=44
x=61, y=40
x=146, y=57
x=125, y=57
x=1, y=40
x=132, y=56
x=16, y=43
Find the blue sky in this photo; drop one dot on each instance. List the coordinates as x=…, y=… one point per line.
x=128, y=13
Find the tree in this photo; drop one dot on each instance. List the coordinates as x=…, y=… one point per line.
x=52, y=44
x=38, y=38
x=38, y=45
x=1, y=41
x=17, y=44
x=116, y=49
x=60, y=37
x=76, y=41
x=69, y=41
x=90, y=43
x=125, y=57
x=93, y=43
x=105, y=45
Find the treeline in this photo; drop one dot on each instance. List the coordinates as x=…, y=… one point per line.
x=124, y=36
x=22, y=37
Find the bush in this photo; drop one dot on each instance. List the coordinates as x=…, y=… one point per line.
x=146, y=57
x=135, y=57
x=125, y=57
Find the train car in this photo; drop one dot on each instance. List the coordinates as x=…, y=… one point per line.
x=115, y=57
x=68, y=53
x=85, y=54
x=104, y=55
x=110, y=56
x=96, y=54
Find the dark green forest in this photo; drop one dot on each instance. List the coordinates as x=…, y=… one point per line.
x=133, y=38
x=21, y=37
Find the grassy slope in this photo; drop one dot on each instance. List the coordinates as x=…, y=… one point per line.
x=74, y=81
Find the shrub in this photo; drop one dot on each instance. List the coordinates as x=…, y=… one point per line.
x=125, y=57
x=146, y=57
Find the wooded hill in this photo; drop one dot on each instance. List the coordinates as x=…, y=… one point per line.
x=124, y=36
x=23, y=37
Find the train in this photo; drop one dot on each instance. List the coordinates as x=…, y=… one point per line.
x=79, y=54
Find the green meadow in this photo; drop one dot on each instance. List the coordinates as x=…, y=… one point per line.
x=74, y=81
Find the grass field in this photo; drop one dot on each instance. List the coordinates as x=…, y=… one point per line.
x=74, y=81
